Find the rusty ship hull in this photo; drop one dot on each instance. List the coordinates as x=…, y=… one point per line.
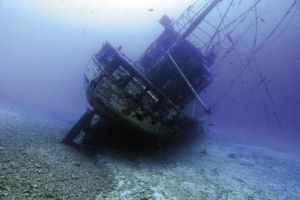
x=151, y=96
x=119, y=92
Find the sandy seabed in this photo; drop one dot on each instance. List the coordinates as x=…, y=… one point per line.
x=35, y=165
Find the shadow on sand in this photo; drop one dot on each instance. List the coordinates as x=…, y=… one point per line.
x=130, y=144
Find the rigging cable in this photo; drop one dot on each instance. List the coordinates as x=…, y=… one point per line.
x=252, y=58
x=252, y=72
x=260, y=95
x=218, y=28
x=266, y=41
x=269, y=95
x=287, y=25
x=252, y=54
x=262, y=77
x=233, y=83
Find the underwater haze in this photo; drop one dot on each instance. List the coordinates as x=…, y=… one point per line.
x=45, y=45
x=254, y=98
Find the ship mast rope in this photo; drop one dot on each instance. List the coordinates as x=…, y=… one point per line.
x=205, y=108
x=252, y=56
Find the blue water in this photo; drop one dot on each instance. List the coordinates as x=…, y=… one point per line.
x=43, y=53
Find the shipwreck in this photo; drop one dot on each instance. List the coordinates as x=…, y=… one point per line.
x=151, y=96
x=155, y=96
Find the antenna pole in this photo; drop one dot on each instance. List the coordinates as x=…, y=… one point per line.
x=205, y=108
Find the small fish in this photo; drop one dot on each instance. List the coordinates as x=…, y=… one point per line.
x=211, y=124
x=150, y=9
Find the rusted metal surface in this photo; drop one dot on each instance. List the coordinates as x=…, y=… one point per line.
x=116, y=90
x=151, y=101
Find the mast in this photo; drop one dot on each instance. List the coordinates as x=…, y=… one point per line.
x=199, y=19
x=187, y=32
